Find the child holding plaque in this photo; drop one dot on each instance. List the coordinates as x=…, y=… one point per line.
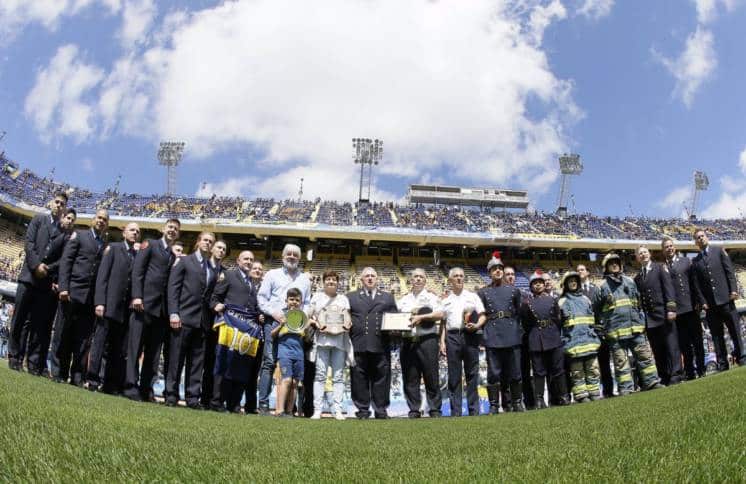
x=289, y=337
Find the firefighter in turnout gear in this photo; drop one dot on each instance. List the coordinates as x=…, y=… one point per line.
x=580, y=339
x=616, y=307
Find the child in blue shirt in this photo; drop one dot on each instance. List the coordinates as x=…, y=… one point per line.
x=289, y=357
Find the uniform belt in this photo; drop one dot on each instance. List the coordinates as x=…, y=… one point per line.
x=417, y=339
x=544, y=323
x=501, y=315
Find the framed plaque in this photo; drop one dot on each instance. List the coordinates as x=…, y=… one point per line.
x=333, y=320
x=396, y=322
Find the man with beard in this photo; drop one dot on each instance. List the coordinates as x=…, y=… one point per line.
x=77, y=283
x=112, y=307
x=271, y=299
x=149, y=322
x=35, y=299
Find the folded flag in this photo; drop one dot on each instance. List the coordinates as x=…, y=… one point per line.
x=239, y=335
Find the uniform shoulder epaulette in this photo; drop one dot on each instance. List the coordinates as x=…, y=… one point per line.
x=107, y=249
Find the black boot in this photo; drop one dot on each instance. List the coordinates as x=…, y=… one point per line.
x=559, y=387
x=539, y=391
x=516, y=396
x=493, y=395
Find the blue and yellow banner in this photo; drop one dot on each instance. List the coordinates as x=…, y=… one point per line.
x=239, y=335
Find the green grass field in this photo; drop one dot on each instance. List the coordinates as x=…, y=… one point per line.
x=693, y=432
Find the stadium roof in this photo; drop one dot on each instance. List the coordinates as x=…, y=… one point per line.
x=480, y=197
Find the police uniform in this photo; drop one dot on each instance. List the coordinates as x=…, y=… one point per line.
x=419, y=355
x=236, y=288
x=148, y=328
x=604, y=355
x=540, y=318
x=35, y=300
x=502, y=342
x=688, y=323
x=78, y=269
x=113, y=284
x=714, y=281
x=190, y=286
x=657, y=298
x=370, y=378
x=462, y=347
x=616, y=306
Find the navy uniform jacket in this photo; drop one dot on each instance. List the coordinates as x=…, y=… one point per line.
x=681, y=276
x=502, y=305
x=367, y=317
x=231, y=288
x=44, y=244
x=113, y=281
x=657, y=295
x=150, y=276
x=79, y=266
x=540, y=317
x=713, y=276
x=590, y=291
x=189, y=291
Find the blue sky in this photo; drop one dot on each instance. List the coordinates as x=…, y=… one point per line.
x=482, y=93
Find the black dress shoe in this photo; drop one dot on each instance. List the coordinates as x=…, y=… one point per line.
x=92, y=387
x=172, y=403
x=362, y=415
x=382, y=416
x=194, y=406
x=219, y=409
x=135, y=397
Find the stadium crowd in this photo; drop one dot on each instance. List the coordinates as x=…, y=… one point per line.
x=113, y=311
x=27, y=187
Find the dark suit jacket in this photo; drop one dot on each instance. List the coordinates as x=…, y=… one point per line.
x=657, y=295
x=113, y=282
x=681, y=277
x=79, y=266
x=189, y=292
x=590, y=291
x=41, y=246
x=714, y=277
x=150, y=276
x=231, y=289
x=367, y=317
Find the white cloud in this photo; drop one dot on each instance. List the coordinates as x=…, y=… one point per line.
x=56, y=104
x=694, y=66
x=707, y=10
x=233, y=187
x=732, y=200
x=137, y=18
x=87, y=165
x=595, y=9
x=676, y=198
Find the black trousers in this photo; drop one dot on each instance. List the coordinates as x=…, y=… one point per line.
x=305, y=398
x=187, y=352
x=54, y=361
x=604, y=366
x=527, y=381
x=228, y=393
x=718, y=318
x=664, y=341
x=208, y=368
x=548, y=363
x=503, y=365
x=691, y=343
x=75, y=340
x=419, y=361
x=146, y=335
x=462, y=354
x=109, y=341
x=31, y=327
x=370, y=380
x=251, y=387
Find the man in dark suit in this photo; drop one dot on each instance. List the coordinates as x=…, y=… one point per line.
x=77, y=283
x=112, y=307
x=371, y=375
x=236, y=287
x=604, y=357
x=658, y=301
x=219, y=251
x=716, y=290
x=149, y=321
x=190, y=286
x=35, y=299
x=688, y=324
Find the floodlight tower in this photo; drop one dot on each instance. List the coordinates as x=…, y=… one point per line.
x=569, y=165
x=701, y=183
x=169, y=155
x=366, y=152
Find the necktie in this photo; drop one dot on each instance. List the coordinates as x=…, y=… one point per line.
x=644, y=273
x=206, y=268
